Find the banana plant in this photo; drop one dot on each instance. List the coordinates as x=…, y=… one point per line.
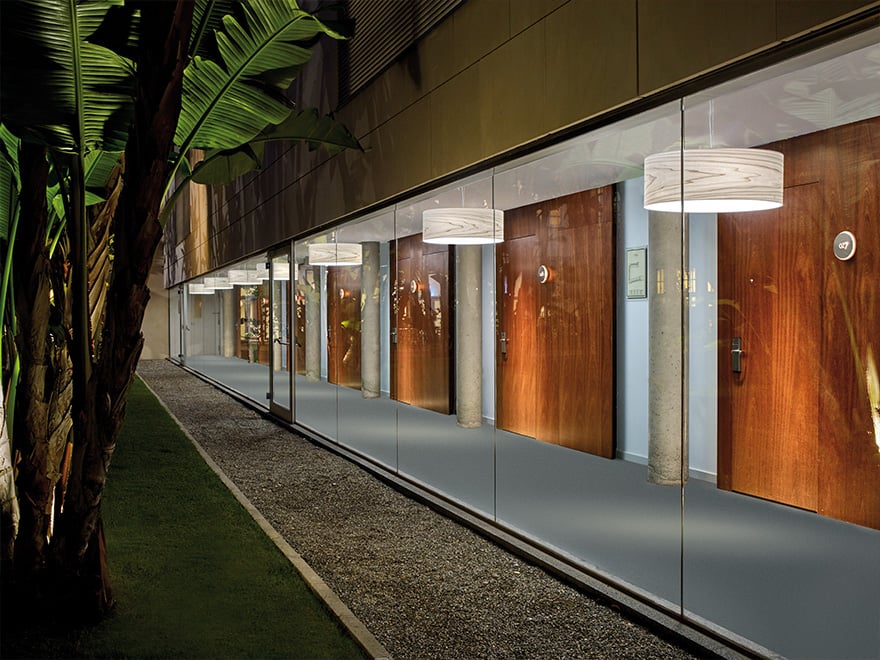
x=104, y=76
x=10, y=185
x=222, y=165
x=231, y=108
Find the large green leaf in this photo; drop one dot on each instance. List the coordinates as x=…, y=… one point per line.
x=225, y=165
x=10, y=181
x=207, y=18
x=222, y=166
x=318, y=131
x=59, y=88
x=98, y=166
x=229, y=105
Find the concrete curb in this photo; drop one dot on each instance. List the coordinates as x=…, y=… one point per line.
x=340, y=610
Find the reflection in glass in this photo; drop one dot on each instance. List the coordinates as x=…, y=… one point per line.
x=282, y=356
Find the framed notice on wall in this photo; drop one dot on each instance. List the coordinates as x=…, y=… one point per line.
x=637, y=272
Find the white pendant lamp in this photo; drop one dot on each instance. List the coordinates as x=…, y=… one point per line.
x=218, y=282
x=462, y=226
x=197, y=289
x=335, y=254
x=280, y=272
x=715, y=180
x=243, y=277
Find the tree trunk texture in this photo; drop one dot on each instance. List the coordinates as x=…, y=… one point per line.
x=79, y=549
x=39, y=432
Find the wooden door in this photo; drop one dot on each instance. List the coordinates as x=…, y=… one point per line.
x=299, y=330
x=769, y=286
x=517, y=404
x=344, y=326
x=556, y=377
x=795, y=425
x=422, y=325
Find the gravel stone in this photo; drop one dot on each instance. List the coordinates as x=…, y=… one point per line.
x=424, y=585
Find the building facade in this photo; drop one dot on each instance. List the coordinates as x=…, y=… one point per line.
x=504, y=302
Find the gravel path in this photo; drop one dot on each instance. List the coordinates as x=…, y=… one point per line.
x=425, y=586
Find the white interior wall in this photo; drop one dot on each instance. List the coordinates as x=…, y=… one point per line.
x=324, y=321
x=703, y=347
x=488, y=302
x=633, y=340
x=385, y=318
x=632, y=331
x=203, y=326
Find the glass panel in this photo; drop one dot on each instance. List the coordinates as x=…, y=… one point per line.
x=176, y=326
x=359, y=313
x=280, y=328
x=782, y=510
x=579, y=464
x=442, y=325
x=315, y=397
x=228, y=329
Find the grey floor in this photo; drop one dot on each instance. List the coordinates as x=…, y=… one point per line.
x=790, y=581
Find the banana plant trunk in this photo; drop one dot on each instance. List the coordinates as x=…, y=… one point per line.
x=99, y=400
x=41, y=403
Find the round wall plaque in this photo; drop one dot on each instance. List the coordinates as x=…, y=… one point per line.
x=844, y=245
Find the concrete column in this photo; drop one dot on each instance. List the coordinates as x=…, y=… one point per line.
x=668, y=330
x=229, y=311
x=468, y=336
x=312, y=290
x=370, y=332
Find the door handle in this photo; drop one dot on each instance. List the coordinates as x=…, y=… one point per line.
x=736, y=353
x=504, y=345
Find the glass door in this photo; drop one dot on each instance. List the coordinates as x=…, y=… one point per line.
x=280, y=379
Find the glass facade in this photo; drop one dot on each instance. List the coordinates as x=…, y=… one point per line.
x=683, y=401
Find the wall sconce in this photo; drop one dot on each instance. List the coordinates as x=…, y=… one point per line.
x=462, y=226
x=335, y=254
x=715, y=180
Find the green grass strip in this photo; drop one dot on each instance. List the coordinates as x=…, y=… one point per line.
x=192, y=573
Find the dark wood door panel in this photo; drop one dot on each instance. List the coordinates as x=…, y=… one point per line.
x=556, y=383
x=770, y=280
x=841, y=305
x=344, y=331
x=516, y=405
x=849, y=478
x=421, y=357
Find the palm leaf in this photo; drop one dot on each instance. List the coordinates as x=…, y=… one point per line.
x=98, y=166
x=222, y=166
x=10, y=181
x=58, y=88
x=225, y=106
x=318, y=131
x=207, y=18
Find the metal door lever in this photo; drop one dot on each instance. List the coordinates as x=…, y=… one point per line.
x=736, y=355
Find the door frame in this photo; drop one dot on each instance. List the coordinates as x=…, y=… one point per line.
x=276, y=343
